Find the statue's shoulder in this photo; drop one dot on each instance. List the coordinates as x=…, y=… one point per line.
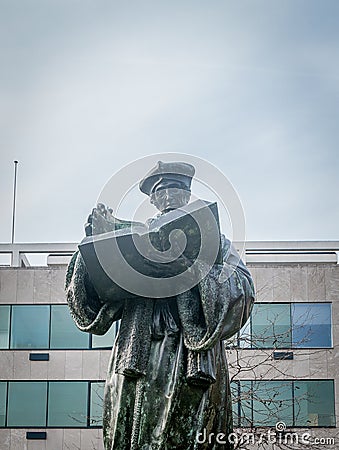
x=226, y=246
x=224, y=241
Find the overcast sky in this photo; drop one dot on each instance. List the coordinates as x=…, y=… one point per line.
x=252, y=86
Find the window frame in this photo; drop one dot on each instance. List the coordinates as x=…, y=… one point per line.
x=238, y=420
x=9, y=321
x=46, y=426
x=254, y=339
x=113, y=330
x=19, y=307
x=44, y=383
x=309, y=325
x=249, y=325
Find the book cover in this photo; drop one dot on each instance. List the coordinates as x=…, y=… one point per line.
x=152, y=248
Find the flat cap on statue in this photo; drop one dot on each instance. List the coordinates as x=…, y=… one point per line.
x=177, y=172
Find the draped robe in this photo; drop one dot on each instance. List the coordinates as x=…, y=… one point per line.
x=167, y=384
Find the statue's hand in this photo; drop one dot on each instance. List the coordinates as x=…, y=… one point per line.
x=100, y=220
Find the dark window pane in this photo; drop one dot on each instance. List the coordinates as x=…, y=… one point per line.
x=3, y=393
x=27, y=403
x=311, y=325
x=314, y=403
x=245, y=335
x=64, y=333
x=106, y=340
x=30, y=325
x=97, y=399
x=4, y=326
x=246, y=418
x=272, y=402
x=67, y=404
x=271, y=325
x=235, y=403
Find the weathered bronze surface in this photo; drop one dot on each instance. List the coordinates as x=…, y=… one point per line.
x=167, y=379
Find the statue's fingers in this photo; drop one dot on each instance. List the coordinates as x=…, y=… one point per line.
x=88, y=229
x=102, y=209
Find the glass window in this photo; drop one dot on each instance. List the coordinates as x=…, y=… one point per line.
x=314, y=403
x=30, y=326
x=64, y=333
x=106, y=340
x=67, y=404
x=3, y=394
x=272, y=402
x=27, y=403
x=246, y=409
x=4, y=326
x=271, y=325
x=97, y=399
x=311, y=325
x=306, y=403
x=245, y=334
x=235, y=394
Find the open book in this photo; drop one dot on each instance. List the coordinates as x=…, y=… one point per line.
x=152, y=249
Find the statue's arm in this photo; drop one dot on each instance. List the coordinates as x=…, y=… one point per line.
x=241, y=289
x=101, y=220
x=88, y=311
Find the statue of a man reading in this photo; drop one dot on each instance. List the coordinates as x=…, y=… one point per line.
x=167, y=385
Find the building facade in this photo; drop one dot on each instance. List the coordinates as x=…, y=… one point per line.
x=283, y=364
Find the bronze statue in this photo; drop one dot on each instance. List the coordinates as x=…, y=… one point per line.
x=167, y=385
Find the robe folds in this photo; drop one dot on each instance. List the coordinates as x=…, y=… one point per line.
x=167, y=384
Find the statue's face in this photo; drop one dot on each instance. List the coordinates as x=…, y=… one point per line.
x=168, y=198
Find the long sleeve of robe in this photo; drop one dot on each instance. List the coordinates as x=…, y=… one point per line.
x=168, y=381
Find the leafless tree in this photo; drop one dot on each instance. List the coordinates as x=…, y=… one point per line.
x=269, y=396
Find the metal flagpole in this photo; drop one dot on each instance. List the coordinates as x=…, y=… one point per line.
x=14, y=198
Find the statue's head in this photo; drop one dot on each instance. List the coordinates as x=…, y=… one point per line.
x=168, y=185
